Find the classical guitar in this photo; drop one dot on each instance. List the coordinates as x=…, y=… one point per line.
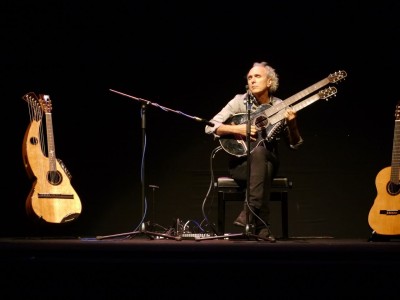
x=384, y=215
x=267, y=127
x=52, y=198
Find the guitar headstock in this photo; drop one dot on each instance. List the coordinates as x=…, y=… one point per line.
x=327, y=93
x=45, y=103
x=30, y=98
x=337, y=76
x=34, y=105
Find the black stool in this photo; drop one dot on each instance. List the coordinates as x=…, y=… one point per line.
x=229, y=190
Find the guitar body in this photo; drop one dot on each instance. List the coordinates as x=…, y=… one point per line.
x=237, y=145
x=384, y=215
x=52, y=198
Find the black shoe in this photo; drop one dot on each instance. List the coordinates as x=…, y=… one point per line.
x=266, y=235
x=241, y=219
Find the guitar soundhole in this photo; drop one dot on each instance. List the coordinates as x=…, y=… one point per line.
x=261, y=122
x=33, y=140
x=393, y=189
x=54, y=177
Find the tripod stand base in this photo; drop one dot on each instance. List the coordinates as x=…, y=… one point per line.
x=152, y=235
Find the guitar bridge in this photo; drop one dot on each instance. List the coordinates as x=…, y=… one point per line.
x=390, y=212
x=59, y=196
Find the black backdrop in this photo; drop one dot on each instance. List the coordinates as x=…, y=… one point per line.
x=192, y=58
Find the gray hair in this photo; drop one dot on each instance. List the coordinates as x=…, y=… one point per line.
x=271, y=75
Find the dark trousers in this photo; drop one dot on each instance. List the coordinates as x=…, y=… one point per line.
x=264, y=165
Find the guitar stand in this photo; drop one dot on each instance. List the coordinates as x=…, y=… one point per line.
x=375, y=237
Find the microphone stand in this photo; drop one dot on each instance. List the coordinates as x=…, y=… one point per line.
x=248, y=227
x=142, y=225
x=248, y=234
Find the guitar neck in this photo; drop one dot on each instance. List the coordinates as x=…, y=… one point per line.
x=272, y=110
x=45, y=104
x=50, y=142
x=300, y=95
x=328, y=92
x=394, y=174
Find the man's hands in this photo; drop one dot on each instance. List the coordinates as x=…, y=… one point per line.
x=242, y=130
x=290, y=114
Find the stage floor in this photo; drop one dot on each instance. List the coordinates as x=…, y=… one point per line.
x=160, y=268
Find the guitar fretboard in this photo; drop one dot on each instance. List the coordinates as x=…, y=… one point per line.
x=394, y=176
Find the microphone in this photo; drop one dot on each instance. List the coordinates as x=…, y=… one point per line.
x=249, y=96
x=204, y=121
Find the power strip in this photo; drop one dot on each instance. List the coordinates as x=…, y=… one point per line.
x=192, y=236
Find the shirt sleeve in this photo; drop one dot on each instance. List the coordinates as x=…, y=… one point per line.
x=234, y=106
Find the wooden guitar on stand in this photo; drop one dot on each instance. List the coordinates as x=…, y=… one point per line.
x=52, y=198
x=384, y=215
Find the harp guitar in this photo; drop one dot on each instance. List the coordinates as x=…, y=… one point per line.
x=52, y=198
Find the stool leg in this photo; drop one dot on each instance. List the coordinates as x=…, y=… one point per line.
x=285, y=213
x=221, y=213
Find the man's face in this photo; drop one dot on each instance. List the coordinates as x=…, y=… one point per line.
x=257, y=80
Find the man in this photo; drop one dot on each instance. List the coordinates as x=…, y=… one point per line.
x=262, y=82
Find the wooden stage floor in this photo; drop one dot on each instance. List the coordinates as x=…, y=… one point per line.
x=160, y=268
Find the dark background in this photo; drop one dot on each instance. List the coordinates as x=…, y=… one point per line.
x=191, y=57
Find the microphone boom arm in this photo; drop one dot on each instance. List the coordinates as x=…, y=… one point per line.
x=147, y=102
